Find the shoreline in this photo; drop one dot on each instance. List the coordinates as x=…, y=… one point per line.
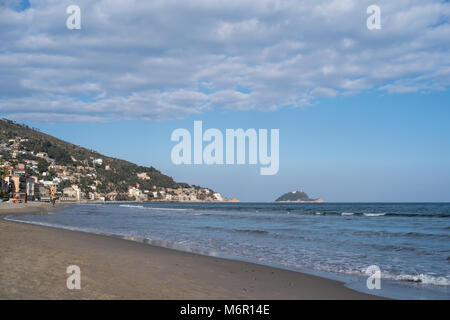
x=36, y=258
x=7, y=208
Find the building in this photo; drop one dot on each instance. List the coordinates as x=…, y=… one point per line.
x=143, y=176
x=218, y=196
x=18, y=187
x=137, y=194
x=44, y=192
x=4, y=187
x=31, y=189
x=37, y=190
x=98, y=162
x=111, y=196
x=72, y=192
x=41, y=155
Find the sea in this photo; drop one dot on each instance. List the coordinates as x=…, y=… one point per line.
x=408, y=242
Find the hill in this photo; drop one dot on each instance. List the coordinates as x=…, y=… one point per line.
x=296, y=196
x=47, y=157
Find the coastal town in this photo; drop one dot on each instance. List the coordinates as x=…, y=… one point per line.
x=28, y=174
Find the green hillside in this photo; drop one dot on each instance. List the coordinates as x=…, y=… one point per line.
x=112, y=175
x=296, y=196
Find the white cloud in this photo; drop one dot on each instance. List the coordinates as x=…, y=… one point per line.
x=168, y=59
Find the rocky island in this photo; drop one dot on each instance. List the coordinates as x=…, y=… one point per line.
x=297, y=196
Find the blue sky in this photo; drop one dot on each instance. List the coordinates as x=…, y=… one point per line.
x=369, y=147
x=363, y=115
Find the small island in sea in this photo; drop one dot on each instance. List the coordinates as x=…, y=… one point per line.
x=297, y=196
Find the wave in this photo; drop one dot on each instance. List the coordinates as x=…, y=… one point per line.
x=169, y=209
x=250, y=231
x=386, y=234
x=130, y=206
x=374, y=214
x=421, y=215
x=296, y=211
x=211, y=228
x=154, y=208
x=420, y=278
x=254, y=231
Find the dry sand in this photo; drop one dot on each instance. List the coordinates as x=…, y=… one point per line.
x=33, y=262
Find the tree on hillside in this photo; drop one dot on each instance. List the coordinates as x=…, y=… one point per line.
x=2, y=170
x=3, y=173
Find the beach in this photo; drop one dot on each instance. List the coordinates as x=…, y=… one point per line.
x=34, y=259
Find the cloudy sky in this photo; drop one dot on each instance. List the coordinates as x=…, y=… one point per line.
x=158, y=65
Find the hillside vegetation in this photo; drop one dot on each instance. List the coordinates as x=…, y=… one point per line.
x=112, y=175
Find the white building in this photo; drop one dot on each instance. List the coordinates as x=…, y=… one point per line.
x=30, y=187
x=41, y=155
x=98, y=162
x=218, y=196
x=137, y=194
x=72, y=192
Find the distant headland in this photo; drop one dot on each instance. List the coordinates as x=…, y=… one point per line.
x=297, y=196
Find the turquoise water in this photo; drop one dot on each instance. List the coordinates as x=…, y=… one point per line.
x=409, y=242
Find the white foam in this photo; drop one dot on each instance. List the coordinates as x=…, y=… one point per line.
x=130, y=206
x=154, y=208
x=169, y=209
x=421, y=278
x=374, y=214
x=347, y=213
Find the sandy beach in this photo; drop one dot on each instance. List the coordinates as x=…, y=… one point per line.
x=33, y=262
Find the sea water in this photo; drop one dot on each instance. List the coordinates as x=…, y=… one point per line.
x=409, y=242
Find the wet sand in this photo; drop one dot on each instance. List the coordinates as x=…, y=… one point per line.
x=34, y=259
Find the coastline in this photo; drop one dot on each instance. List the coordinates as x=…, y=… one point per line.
x=7, y=208
x=35, y=259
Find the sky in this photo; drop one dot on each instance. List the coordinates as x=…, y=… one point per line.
x=363, y=114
